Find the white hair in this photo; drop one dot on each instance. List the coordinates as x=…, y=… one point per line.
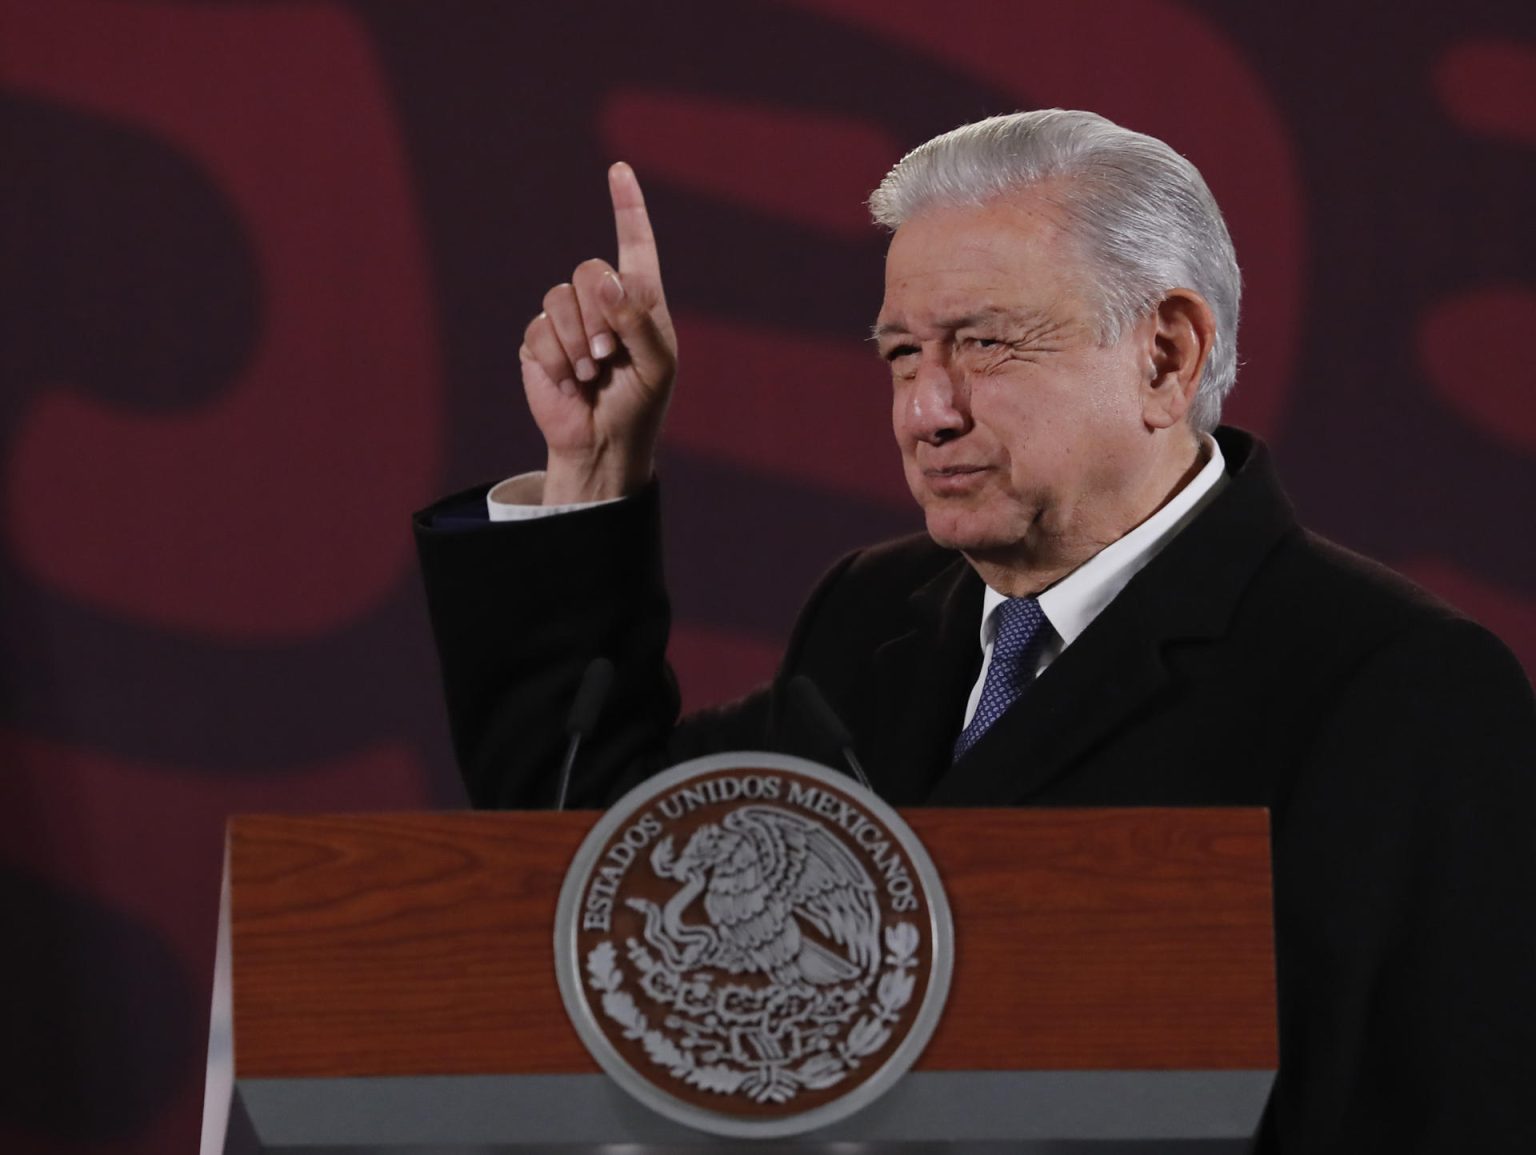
x=1146, y=219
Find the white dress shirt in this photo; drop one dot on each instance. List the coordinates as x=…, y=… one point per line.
x=519, y=499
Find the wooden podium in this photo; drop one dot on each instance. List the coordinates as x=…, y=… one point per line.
x=388, y=982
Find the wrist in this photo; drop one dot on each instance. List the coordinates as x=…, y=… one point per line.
x=571, y=480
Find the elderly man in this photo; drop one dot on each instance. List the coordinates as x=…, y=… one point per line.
x=1113, y=604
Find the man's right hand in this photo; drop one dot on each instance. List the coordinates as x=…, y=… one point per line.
x=599, y=361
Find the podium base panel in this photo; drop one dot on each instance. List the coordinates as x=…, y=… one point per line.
x=949, y=1112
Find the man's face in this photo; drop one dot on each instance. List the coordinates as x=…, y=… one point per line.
x=1020, y=434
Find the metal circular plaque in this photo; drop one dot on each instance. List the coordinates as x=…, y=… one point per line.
x=753, y=945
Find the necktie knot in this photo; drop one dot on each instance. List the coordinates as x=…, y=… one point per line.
x=1021, y=632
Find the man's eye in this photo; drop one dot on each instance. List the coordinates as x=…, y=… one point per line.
x=897, y=352
x=983, y=342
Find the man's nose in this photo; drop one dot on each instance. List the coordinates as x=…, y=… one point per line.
x=939, y=401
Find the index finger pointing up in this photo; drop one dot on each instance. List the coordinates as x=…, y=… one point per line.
x=638, y=263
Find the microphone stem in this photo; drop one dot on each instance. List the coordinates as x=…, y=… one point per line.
x=565, y=769
x=858, y=770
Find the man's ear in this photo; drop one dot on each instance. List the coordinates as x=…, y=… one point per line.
x=1183, y=333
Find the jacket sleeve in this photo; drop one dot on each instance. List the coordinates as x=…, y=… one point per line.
x=519, y=609
x=1412, y=833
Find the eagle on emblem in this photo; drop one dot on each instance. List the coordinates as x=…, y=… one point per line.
x=768, y=876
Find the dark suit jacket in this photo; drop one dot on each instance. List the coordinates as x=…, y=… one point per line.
x=1250, y=663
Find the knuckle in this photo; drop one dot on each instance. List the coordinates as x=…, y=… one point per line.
x=545, y=345
x=557, y=296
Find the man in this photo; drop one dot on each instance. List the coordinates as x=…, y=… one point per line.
x=1113, y=605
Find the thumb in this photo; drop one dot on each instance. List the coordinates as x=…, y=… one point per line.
x=649, y=349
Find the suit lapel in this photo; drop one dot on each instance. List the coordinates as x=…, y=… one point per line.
x=1116, y=668
x=920, y=679
x=1091, y=690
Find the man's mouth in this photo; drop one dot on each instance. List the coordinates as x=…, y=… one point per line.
x=954, y=479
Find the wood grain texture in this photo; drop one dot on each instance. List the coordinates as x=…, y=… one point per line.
x=1105, y=939
x=422, y=944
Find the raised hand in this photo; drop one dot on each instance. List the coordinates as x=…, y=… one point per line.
x=599, y=361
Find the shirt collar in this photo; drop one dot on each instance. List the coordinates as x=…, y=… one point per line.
x=1075, y=600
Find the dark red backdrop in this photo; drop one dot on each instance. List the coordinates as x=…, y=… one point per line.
x=263, y=272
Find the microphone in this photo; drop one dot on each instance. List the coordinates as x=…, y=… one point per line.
x=591, y=696
x=805, y=697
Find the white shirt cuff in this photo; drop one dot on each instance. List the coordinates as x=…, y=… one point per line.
x=520, y=498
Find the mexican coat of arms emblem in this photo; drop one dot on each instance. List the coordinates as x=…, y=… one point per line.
x=753, y=945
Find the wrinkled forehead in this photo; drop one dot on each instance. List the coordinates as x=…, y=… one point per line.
x=1008, y=256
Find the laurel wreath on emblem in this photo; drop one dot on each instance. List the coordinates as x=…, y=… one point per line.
x=762, y=872
x=768, y=1080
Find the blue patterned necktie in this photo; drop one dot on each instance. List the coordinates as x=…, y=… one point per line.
x=1021, y=632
